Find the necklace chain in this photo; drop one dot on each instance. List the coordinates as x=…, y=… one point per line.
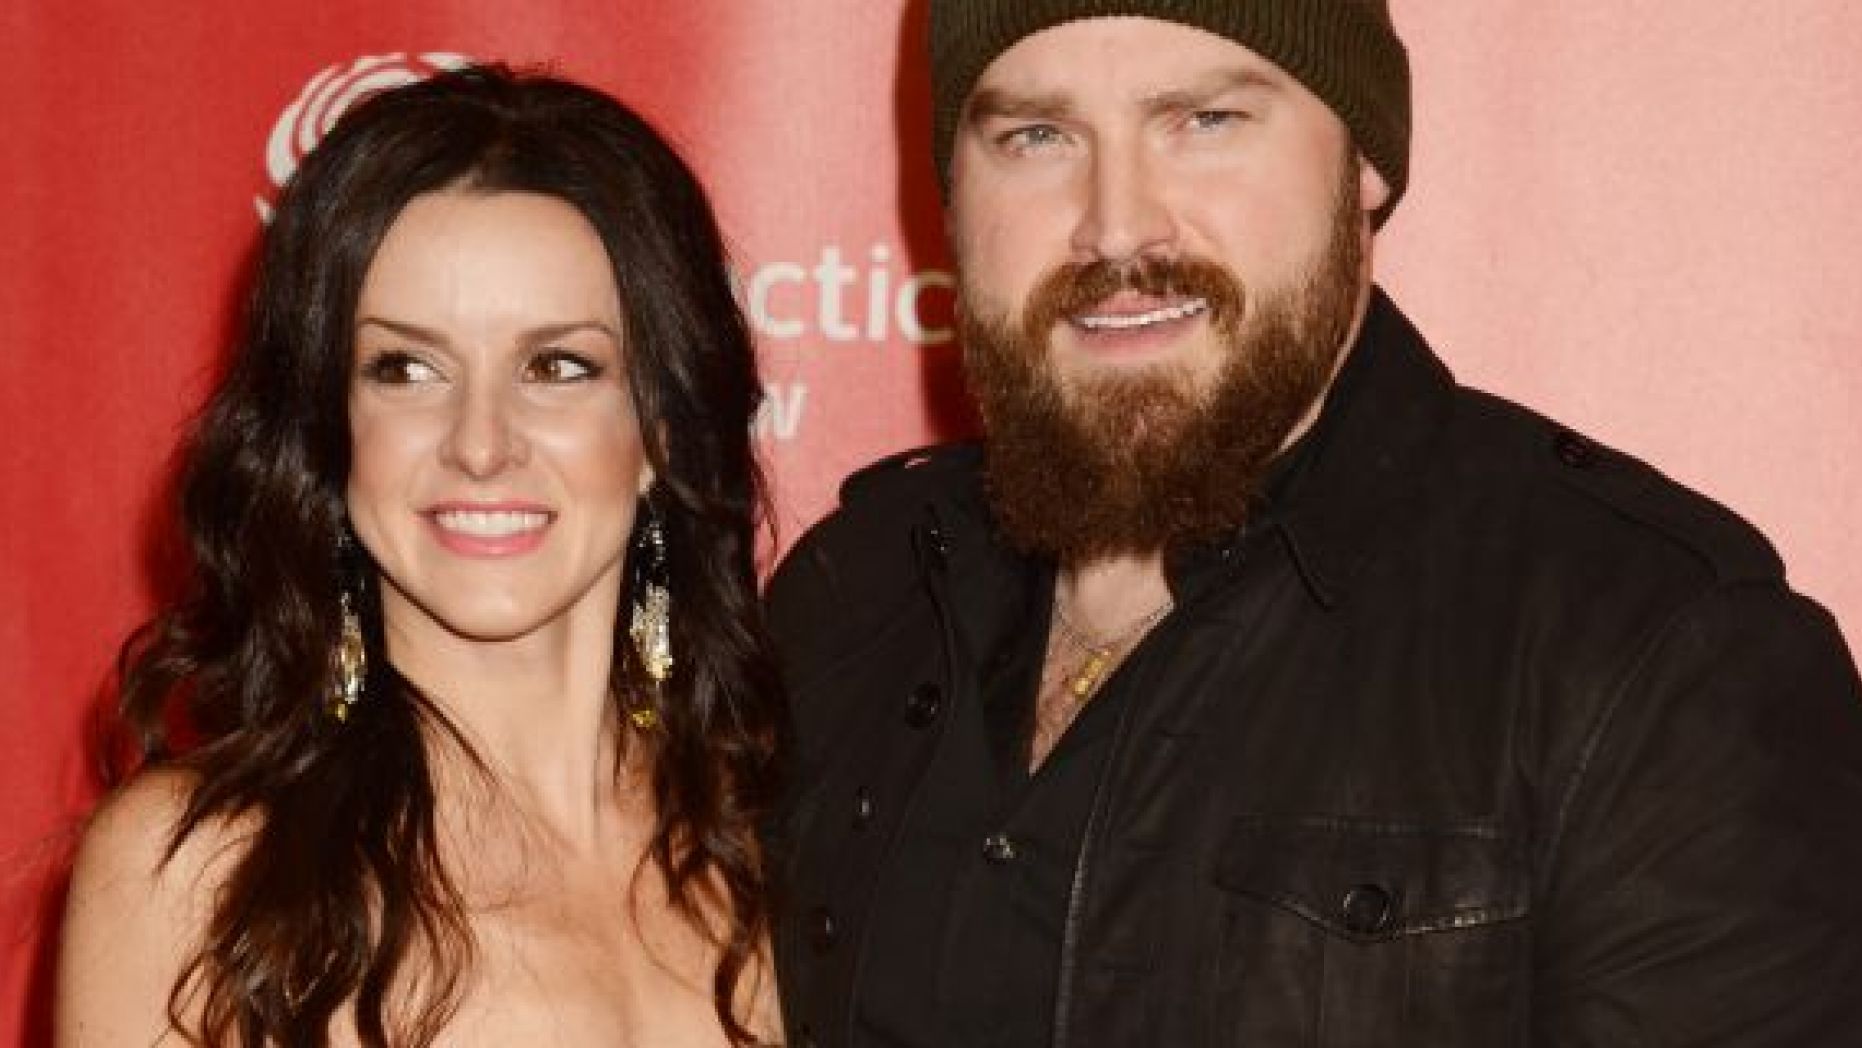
x=1101, y=655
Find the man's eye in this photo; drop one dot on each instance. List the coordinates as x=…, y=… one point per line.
x=1030, y=137
x=1216, y=119
x=396, y=368
x=560, y=366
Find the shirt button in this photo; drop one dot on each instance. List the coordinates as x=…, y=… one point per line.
x=923, y=705
x=862, y=808
x=1367, y=909
x=822, y=934
x=999, y=848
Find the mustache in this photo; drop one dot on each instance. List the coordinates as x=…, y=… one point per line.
x=1075, y=287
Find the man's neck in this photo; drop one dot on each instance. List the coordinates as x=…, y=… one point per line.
x=1102, y=610
x=1105, y=597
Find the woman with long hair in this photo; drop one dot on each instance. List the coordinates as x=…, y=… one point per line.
x=466, y=727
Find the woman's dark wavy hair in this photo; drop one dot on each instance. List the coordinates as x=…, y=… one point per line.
x=340, y=888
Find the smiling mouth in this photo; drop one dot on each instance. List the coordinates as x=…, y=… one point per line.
x=1148, y=318
x=490, y=524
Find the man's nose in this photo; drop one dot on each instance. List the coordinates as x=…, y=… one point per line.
x=1125, y=213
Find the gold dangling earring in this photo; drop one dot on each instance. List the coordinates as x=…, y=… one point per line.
x=348, y=663
x=651, y=624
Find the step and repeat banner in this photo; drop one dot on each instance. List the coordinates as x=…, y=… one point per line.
x=1643, y=218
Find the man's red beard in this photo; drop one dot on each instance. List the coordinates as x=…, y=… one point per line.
x=1140, y=462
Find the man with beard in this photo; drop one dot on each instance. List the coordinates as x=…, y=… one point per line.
x=1252, y=683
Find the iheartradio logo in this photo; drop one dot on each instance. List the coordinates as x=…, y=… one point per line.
x=328, y=95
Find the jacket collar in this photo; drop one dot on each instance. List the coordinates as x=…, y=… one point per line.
x=1372, y=440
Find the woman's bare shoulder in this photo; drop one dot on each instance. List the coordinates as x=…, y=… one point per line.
x=130, y=838
x=138, y=905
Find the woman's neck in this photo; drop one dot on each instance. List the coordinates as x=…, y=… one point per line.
x=537, y=712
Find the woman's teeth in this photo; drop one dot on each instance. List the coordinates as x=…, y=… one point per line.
x=490, y=523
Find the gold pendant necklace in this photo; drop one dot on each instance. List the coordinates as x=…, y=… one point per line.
x=1101, y=656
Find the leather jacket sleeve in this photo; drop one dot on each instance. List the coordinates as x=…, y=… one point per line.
x=1704, y=883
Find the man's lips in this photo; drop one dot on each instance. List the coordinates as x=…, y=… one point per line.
x=1123, y=313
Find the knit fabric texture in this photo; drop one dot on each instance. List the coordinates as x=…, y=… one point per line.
x=1344, y=51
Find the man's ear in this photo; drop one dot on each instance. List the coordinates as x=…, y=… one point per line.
x=1373, y=191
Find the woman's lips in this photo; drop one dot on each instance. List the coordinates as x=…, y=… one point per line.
x=489, y=529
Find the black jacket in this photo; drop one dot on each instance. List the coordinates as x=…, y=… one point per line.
x=1481, y=735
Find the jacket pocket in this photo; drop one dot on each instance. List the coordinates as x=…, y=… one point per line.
x=1351, y=933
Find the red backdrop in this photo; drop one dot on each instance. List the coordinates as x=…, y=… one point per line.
x=1640, y=216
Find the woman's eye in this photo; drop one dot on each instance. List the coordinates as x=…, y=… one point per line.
x=396, y=368
x=559, y=366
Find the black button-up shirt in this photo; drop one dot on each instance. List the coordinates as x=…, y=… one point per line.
x=966, y=939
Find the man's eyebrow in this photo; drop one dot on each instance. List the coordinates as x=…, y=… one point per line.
x=997, y=103
x=1207, y=90
x=1001, y=103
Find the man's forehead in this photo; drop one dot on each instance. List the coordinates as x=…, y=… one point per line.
x=1083, y=52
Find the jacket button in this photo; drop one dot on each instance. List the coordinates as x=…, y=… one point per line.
x=862, y=808
x=822, y=934
x=805, y=1037
x=1367, y=909
x=923, y=706
x=999, y=848
x=1573, y=450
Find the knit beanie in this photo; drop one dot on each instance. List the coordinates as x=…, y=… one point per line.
x=1344, y=51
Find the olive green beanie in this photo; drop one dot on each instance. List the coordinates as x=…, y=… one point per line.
x=1344, y=51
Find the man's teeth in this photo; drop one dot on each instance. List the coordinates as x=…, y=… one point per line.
x=491, y=523
x=1126, y=321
